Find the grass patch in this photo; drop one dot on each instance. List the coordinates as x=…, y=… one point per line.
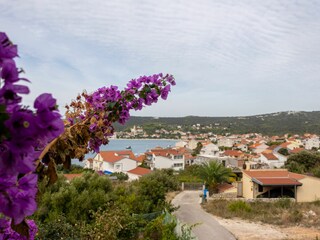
x=281, y=212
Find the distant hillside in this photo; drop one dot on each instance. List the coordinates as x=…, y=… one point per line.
x=268, y=124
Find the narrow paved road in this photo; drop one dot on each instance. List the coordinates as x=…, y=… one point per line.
x=190, y=212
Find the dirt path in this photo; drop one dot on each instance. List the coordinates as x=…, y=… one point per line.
x=245, y=230
x=190, y=212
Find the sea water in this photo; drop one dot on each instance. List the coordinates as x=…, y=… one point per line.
x=138, y=146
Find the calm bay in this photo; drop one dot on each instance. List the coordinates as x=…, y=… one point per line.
x=138, y=146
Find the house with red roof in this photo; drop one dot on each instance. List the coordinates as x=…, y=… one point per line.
x=136, y=173
x=233, y=153
x=113, y=161
x=71, y=176
x=164, y=158
x=276, y=183
x=289, y=145
x=296, y=150
x=258, y=147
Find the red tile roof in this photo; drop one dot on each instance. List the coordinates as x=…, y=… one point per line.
x=233, y=153
x=71, y=176
x=273, y=174
x=140, y=171
x=272, y=147
x=285, y=144
x=297, y=150
x=141, y=158
x=167, y=151
x=270, y=156
x=274, y=181
x=114, y=156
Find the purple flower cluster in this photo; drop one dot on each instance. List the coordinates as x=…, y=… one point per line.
x=116, y=105
x=8, y=233
x=26, y=134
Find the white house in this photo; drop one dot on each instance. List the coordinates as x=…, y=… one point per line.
x=226, y=142
x=258, y=147
x=272, y=160
x=113, y=161
x=312, y=142
x=210, y=149
x=166, y=158
x=181, y=144
x=136, y=173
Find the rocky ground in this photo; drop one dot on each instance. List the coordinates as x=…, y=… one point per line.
x=245, y=230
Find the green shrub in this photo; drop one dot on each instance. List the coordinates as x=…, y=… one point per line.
x=74, y=200
x=239, y=206
x=120, y=176
x=283, y=203
x=158, y=229
x=58, y=228
x=295, y=216
x=151, y=191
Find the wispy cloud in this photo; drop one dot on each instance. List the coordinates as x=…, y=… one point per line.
x=229, y=57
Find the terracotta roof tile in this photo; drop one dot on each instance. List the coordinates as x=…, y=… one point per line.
x=233, y=153
x=272, y=181
x=140, y=171
x=114, y=156
x=273, y=173
x=270, y=156
x=297, y=150
x=71, y=176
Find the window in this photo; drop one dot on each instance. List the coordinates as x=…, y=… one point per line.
x=118, y=167
x=178, y=165
x=260, y=188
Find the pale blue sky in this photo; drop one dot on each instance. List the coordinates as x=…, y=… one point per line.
x=229, y=58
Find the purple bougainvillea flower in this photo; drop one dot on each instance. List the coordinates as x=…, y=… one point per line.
x=165, y=91
x=18, y=157
x=93, y=127
x=134, y=84
x=21, y=124
x=7, y=50
x=7, y=180
x=45, y=102
x=29, y=183
x=9, y=71
x=6, y=232
x=154, y=95
x=8, y=95
x=22, y=204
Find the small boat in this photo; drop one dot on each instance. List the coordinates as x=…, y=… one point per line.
x=129, y=147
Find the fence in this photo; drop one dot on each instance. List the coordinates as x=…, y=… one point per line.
x=192, y=186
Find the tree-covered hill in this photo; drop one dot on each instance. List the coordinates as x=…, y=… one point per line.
x=268, y=124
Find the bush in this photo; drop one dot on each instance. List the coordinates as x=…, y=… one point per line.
x=113, y=224
x=120, y=176
x=159, y=229
x=316, y=171
x=151, y=191
x=58, y=228
x=90, y=207
x=239, y=206
x=295, y=216
x=283, y=203
x=74, y=200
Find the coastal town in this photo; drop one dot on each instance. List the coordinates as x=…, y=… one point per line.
x=261, y=173
x=241, y=153
x=159, y=120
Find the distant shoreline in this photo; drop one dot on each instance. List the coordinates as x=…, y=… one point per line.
x=156, y=139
